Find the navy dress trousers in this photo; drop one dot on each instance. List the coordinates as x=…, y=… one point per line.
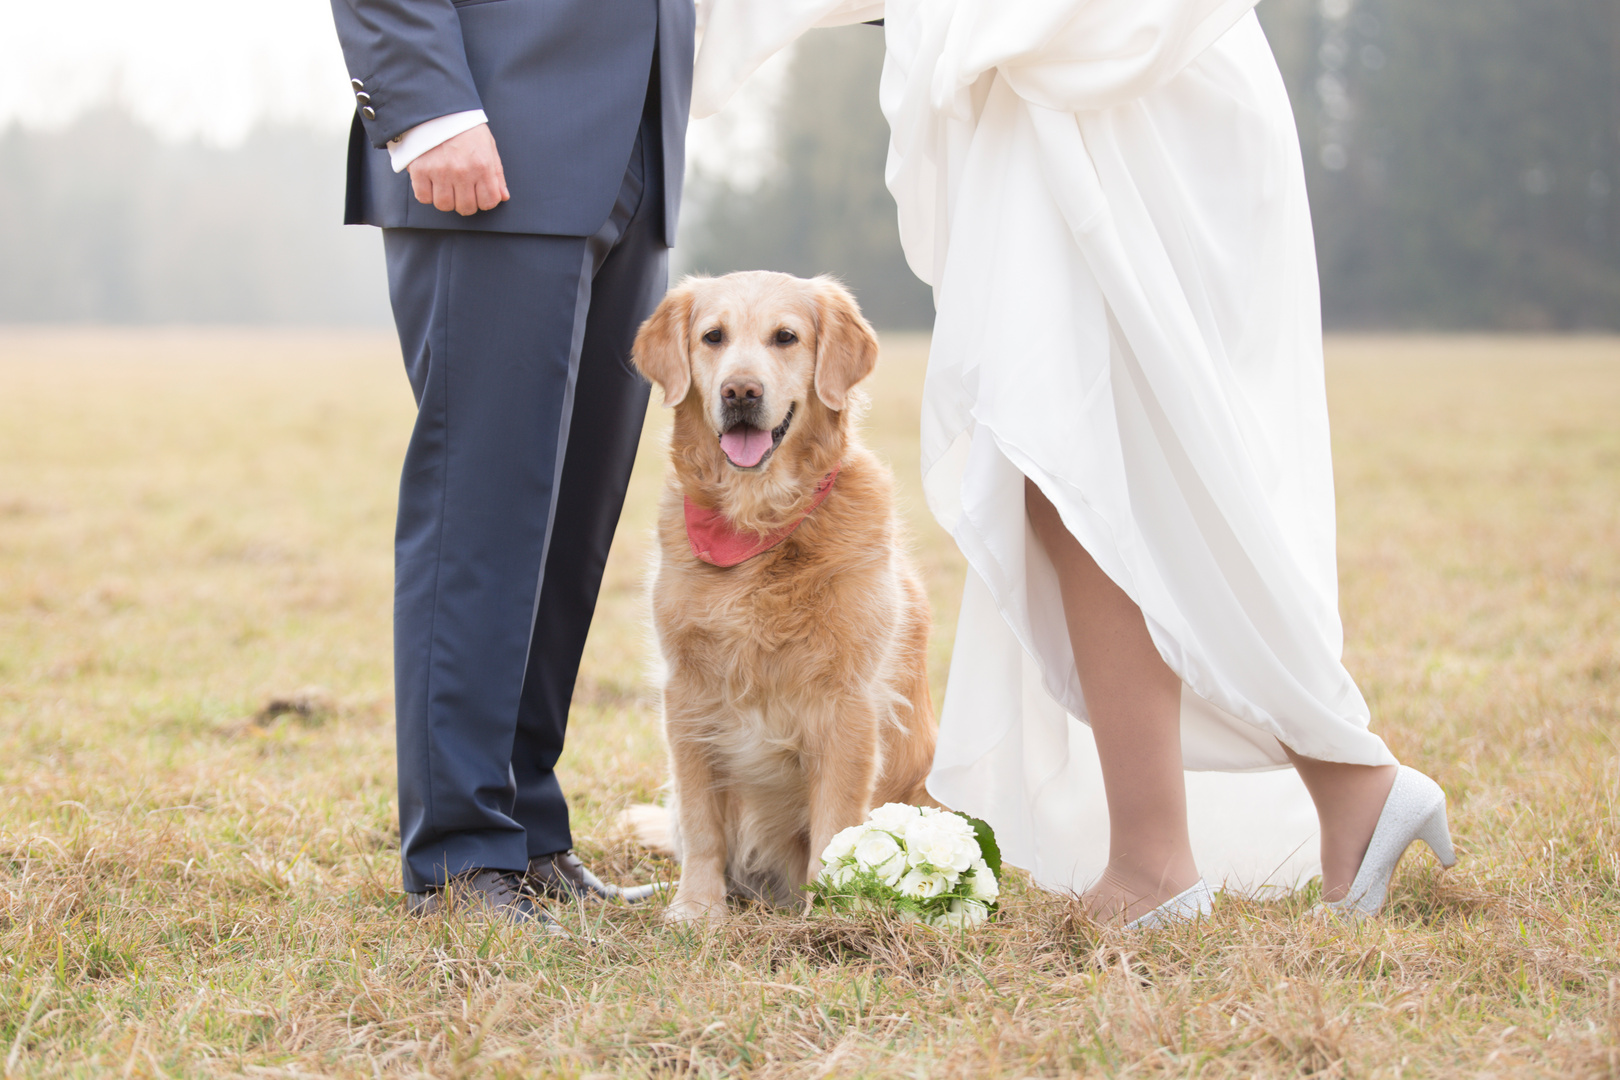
x=516, y=325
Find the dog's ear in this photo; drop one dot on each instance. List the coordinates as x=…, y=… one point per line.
x=846, y=345
x=663, y=351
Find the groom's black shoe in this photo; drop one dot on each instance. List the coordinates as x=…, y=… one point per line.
x=493, y=894
x=561, y=876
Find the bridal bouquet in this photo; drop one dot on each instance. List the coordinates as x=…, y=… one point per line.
x=930, y=866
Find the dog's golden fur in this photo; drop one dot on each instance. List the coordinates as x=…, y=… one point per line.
x=796, y=694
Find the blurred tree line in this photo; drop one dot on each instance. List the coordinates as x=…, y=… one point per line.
x=103, y=222
x=823, y=208
x=1461, y=157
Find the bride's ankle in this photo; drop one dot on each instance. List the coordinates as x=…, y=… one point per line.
x=1347, y=832
x=1126, y=892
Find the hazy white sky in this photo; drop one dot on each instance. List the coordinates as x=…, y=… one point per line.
x=187, y=67
x=214, y=68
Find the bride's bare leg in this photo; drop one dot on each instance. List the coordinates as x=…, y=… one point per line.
x=1135, y=704
x=1348, y=800
x=1134, y=700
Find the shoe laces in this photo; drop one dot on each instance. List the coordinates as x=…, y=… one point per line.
x=513, y=882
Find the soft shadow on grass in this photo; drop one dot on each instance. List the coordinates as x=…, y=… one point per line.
x=198, y=872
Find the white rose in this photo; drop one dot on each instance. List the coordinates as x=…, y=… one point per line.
x=894, y=818
x=880, y=853
x=837, y=874
x=968, y=851
x=983, y=885
x=944, y=841
x=920, y=837
x=922, y=885
x=842, y=845
x=962, y=913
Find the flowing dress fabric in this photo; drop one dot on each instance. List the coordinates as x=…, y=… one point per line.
x=1108, y=198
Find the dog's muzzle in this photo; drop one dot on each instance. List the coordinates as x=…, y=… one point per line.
x=747, y=444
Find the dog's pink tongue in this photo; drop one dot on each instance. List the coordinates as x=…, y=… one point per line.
x=745, y=445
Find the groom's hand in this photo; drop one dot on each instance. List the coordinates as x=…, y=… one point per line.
x=462, y=174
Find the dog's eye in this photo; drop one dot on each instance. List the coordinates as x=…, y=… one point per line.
x=713, y=336
x=786, y=337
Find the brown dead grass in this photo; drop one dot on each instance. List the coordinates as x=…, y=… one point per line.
x=197, y=866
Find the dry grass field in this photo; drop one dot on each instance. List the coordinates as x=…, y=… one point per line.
x=195, y=524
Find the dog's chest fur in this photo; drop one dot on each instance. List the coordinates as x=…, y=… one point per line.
x=765, y=631
x=764, y=647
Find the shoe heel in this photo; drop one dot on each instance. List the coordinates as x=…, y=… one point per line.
x=1437, y=834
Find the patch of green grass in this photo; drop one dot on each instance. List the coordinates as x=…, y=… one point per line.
x=195, y=525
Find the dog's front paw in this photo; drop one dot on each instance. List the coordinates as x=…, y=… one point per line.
x=690, y=909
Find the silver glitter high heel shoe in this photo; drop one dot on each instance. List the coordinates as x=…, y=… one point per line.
x=1415, y=810
x=1185, y=906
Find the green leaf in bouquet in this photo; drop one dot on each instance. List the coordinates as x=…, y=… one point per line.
x=987, y=842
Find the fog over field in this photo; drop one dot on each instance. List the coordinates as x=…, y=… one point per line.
x=1461, y=156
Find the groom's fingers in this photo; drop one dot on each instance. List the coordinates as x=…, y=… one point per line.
x=497, y=187
x=466, y=189
x=444, y=194
x=463, y=174
x=422, y=187
x=491, y=191
x=484, y=196
x=490, y=187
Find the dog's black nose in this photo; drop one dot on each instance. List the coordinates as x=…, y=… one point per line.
x=741, y=390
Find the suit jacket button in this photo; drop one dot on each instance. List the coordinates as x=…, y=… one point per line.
x=357, y=84
x=362, y=97
x=368, y=112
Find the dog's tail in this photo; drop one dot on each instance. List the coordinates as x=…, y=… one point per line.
x=652, y=826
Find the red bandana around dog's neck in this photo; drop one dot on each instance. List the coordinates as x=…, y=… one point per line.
x=720, y=543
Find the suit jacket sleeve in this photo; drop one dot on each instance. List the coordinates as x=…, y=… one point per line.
x=408, y=60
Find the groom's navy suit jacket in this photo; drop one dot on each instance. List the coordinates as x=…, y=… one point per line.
x=563, y=83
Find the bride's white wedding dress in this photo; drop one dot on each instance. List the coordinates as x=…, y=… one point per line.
x=1108, y=199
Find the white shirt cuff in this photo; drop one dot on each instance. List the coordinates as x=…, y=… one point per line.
x=430, y=133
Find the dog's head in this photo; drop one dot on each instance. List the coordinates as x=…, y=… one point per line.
x=761, y=359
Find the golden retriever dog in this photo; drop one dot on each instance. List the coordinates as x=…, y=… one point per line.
x=792, y=624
